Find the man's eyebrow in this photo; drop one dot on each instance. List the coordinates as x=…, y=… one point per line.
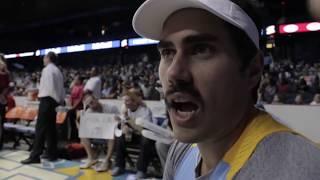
x=190, y=40
x=165, y=44
x=199, y=38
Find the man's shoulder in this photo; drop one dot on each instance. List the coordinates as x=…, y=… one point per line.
x=288, y=144
x=176, y=154
x=96, y=79
x=177, y=151
x=283, y=155
x=52, y=68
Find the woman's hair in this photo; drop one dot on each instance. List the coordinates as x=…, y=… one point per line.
x=3, y=63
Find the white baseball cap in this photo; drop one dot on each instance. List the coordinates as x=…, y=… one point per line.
x=149, y=18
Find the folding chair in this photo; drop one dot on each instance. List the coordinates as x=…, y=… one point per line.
x=25, y=129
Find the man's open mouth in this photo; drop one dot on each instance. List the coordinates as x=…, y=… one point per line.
x=182, y=108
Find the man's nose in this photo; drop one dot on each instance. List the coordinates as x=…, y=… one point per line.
x=179, y=69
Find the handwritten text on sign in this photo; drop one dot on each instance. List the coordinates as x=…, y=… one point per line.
x=97, y=126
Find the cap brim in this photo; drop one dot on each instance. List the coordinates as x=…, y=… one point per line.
x=149, y=18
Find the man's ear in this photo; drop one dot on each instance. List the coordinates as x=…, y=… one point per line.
x=255, y=70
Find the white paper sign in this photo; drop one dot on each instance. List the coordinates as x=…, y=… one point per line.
x=97, y=126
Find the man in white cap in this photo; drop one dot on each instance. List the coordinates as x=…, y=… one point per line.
x=210, y=69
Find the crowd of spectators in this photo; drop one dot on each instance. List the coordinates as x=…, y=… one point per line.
x=286, y=82
x=283, y=82
x=115, y=78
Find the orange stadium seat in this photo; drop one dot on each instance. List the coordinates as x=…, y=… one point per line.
x=15, y=113
x=29, y=114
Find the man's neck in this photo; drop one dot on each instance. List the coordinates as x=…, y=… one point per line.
x=213, y=151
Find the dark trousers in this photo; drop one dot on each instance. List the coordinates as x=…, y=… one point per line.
x=145, y=156
x=2, y=119
x=72, y=126
x=45, y=129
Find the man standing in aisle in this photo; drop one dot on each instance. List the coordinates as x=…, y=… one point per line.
x=51, y=94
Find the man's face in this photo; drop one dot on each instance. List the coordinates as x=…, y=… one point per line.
x=93, y=72
x=130, y=103
x=205, y=91
x=46, y=60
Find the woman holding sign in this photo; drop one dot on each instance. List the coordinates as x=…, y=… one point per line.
x=94, y=106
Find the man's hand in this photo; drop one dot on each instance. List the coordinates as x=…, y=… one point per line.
x=126, y=129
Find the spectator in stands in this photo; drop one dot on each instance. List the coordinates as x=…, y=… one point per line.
x=51, y=94
x=316, y=99
x=298, y=100
x=93, y=85
x=283, y=86
x=11, y=103
x=4, y=88
x=269, y=91
x=77, y=90
x=210, y=78
x=276, y=99
x=302, y=86
x=316, y=84
x=260, y=102
x=75, y=101
x=314, y=7
x=106, y=91
x=133, y=108
x=94, y=106
x=32, y=87
x=154, y=94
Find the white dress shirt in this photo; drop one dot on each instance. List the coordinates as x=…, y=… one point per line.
x=94, y=85
x=51, y=83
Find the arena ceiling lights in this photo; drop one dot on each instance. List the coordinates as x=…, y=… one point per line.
x=292, y=28
x=86, y=47
x=25, y=54
x=299, y=28
x=80, y=48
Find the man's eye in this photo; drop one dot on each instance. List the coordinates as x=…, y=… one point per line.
x=167, y=53
x=202, y=50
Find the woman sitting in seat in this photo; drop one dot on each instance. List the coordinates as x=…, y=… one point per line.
x=94, y=106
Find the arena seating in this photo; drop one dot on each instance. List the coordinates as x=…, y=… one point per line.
x=21, y=123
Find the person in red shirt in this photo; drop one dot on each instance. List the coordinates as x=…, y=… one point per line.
x=76, y=96
x=11, y=103
x=76, y=93
x=4, y=87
